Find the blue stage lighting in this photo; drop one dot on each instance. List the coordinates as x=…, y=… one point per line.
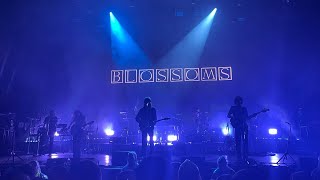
x=225, y=131
x=116, y=28
x=189, y=50
x=213, y=12
x=273, y=131
x=172, y=138
x=125, y=51
x=154, y=138
x=56, y=134
x=109, y=132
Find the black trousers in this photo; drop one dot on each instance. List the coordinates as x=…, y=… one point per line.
x=50, y=140
x=76, y=146
x=241, y=137
x=145, y=134
x=50, y=147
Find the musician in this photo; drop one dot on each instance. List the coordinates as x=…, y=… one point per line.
x=50, y=124
x=239, y=115
x=146, y=118
x=77, y=132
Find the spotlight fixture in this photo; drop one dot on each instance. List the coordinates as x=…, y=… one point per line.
x=154, y=138
x=225, y=131
x=273, y=131
x=172, y=138
x=109, y=132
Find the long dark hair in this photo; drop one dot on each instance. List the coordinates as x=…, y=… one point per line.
x=147, y=101
x=238, y=100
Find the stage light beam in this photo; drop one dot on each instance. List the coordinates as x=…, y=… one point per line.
x=125, y=51
x=188, y=51
x=116, y=28
x=213, y=12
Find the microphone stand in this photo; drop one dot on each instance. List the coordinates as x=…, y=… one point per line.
x=13, y=142
x=286, y=154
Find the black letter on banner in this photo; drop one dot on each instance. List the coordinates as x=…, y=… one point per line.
x=176, y=75
x=116, y=76
x=162, y=75
x=225, y=73
x=187, y=74
x=149, y=72
x=209, y=74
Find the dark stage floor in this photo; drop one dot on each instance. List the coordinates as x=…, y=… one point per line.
x=106, y=160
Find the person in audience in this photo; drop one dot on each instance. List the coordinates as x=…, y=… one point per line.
x=132, y=162
x=315, y=174
x=85, y=170
x=127, y=175
x=58, y=173
x=33, y=169
x=248, y=174
x=153, y=168
x=15, y=173
x=174, y=166
x=222, y=168
x=188, y=171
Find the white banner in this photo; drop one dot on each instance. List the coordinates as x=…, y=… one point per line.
x=171, y=75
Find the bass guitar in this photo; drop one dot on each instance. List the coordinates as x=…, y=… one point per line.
x=237, y=123
x=145, y=126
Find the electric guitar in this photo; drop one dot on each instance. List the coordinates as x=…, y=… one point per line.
x=145, y=126
x=76, y=130
x=237, y=123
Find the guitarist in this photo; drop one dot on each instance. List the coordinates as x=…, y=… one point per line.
x=50, y=124
x=146, y=118
x=238, y=115
x=78, y=121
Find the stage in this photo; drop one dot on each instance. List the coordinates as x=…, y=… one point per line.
x=112, y=157
x=199, y=78
x=106, y=159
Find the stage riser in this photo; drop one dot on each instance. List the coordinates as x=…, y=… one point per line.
x=259, y=146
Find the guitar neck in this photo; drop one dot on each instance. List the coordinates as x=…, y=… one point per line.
x=254, y=115
x=158, y=120
x=161, y=120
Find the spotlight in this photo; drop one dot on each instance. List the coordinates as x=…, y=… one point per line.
x=213, y=12
x=273, y=131
x=56, y=134
x=225, y=131
x=172, y=137
x=154, y=138
x=109, y=132
x=189, y=50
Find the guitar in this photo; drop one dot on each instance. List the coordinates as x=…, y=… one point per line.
x=76, y=130
x=145, y=126
x=236, y=123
